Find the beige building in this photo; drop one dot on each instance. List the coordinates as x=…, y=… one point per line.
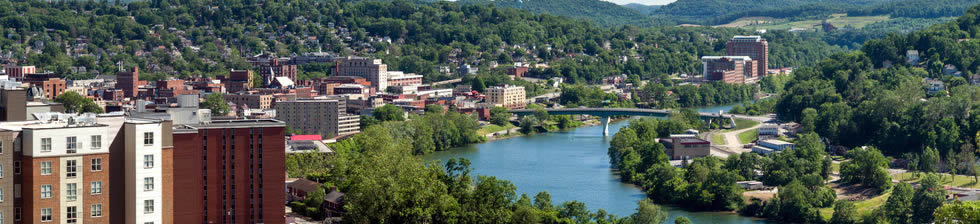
x=254, y=101
x=371, y=69
x=511, y=97
x=324, y=117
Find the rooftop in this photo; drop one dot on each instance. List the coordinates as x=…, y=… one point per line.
x=742, y=58
x=776, y=142
x=249, y=123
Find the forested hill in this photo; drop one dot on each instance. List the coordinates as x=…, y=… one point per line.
x=713, y=12
x=878, y=97
x=645, y=9
x=601, y=12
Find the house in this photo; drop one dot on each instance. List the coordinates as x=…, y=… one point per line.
x=333, y=203
x=912, y=57
x=768, y=131
x=299, y=188
x=935, y=86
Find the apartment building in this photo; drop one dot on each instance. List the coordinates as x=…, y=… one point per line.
x=128, y=82
x=254, y=101
x=754, y=47
x=371, y=69
x=511, y=97
x=320, y=116
x=397, y=78
x=229, y=171
x=63, y=171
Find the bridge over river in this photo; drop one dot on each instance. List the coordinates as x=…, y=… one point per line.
x=605, y=113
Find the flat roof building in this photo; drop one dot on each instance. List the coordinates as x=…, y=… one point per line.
x=754, y=47
x=511, y=97
x=728, y=69
x=323, y=117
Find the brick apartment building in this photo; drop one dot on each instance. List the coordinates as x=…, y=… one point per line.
x=728, y=69
x=52, y=85
x=229, y=172
x=754, y=47
x=371, y=69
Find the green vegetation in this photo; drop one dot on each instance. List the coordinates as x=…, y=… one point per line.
x=861, y=208
x=958, y=212
x=748, y=136
x=216, y=103
x=499, y=116
x=721, y=12
x=838, y=20
x=600, y=12
x=944, y=179
x=742, y=124
x=75, y=103
x=708, y=94
x=493, y=128
x=718, y=139
x=590, y=96
x=866, y=167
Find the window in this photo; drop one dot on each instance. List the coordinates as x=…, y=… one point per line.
x=147, y=206
x=17, y=213
x=148, y=223
x=16, y=167
x=1, y=194
x=72, y=144
x=46, y=168
x=96, y=141
x=1, y=147
x=71, y=169
x=97, y=210
x=72, y=213
x=71, y=191
x=148, y=138
x=147, y=161
x=46, y=214
x=148, y=184
x=97, y=164
x=96, y=187
x=46, y=191
x=45, y=144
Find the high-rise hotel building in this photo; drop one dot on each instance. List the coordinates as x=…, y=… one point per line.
x=755, y=47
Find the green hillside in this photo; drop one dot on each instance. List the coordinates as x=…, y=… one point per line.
x=601, y=12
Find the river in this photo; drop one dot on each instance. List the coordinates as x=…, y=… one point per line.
x=570, y=165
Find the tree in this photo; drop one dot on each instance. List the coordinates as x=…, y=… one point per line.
x=844, y=212
x=216, y=103
x=809, y=121
x=867, y=167
x=499, y=116
x=75, y=103
x=389, y=112
x=542, y=201
x=951, y=164
x=929, y=196
x=368, y=121
x=528, y=123
x=434, y=108
x=647, y=212
x=478, y=84
x=929, y=161
x=682, y=220
x=958, y=212
x=541, y=114
x=968, y=163
x=898, y=208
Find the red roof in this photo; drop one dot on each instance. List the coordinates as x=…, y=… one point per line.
x=306, y=137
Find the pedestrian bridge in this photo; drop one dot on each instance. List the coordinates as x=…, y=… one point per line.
x=605, y=113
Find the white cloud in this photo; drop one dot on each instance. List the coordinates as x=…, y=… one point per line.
x=645, y=2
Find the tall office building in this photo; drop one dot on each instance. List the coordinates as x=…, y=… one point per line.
x=371, y=69
x=326, y=117
x=229, y=171
x=127, y=81
x=754, y=47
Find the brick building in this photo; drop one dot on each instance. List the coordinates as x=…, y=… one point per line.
x=229, y=172
x=52, y=85
x=728, y=69
x=685, y=147
x=254, y=101
x=238, y=80
x=14, y=71
x=754, y=47
x=511, y=97
x=371, y=69
x=324, y=117
x=128, y=82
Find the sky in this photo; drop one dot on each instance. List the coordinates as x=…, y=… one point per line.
x=645, y=2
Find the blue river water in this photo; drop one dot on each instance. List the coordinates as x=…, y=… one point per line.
x=570, y=165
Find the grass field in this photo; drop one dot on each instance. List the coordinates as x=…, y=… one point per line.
x=748, y=136
x=838, y=20
x=961, y=181
x=742, y=124
x=718, y=139
x=493, y=128
x=863, y=207
x=835, y=167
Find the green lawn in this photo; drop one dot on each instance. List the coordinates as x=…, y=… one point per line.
x=493, y=128
x=961, y=181
x=748, y=136
x=718, y=139
x=742, y=124
x=835, y=167
x=863, y=207
x=838, y=20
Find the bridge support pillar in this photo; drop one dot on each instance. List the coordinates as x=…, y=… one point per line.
x=605, y=126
